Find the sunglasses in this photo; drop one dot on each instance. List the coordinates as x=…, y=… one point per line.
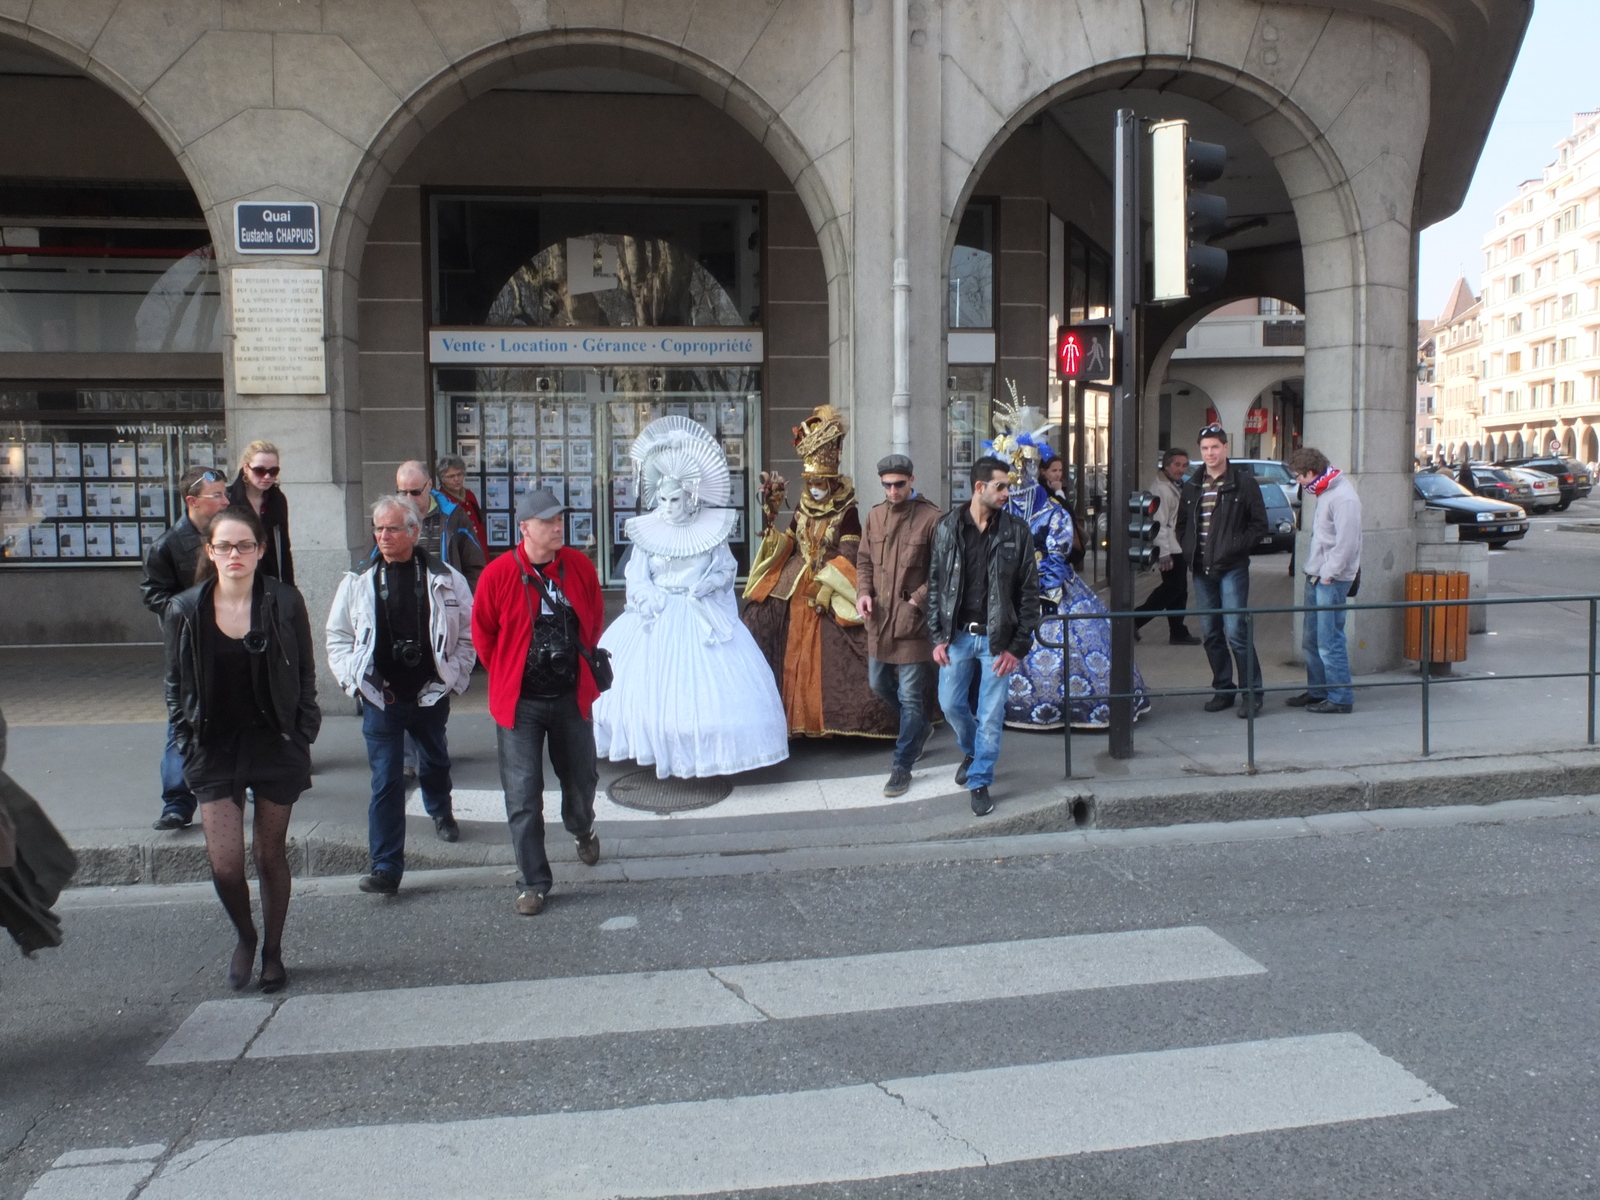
x=890, y=485
x=421, y=491
x=268, y=472
x=1212, y=431
x=205, y=478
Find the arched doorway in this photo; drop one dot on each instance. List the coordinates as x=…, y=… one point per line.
x=1516, y=450
x=111, y=331
x=1591, y=445
x=1569, y=442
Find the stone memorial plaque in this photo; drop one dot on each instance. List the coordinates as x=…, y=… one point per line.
x=277, y=332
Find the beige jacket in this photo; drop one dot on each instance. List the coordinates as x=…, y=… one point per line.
x=1167, y=536
x=892, y=568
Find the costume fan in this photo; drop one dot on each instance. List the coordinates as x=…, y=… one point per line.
x=802, y=594
x=693, y=695
x=1041, y=683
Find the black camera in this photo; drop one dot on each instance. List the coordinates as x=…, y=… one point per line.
x=555, y=660
x=407, y=653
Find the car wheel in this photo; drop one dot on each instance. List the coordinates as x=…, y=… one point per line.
x=1498, y=545
x=1564, y=505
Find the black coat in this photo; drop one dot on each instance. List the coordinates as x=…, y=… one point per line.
x=1238, y=523
x=289, y=658
x=169, y=566
x=278, y=561
x=1013, y=583
x=41, y=865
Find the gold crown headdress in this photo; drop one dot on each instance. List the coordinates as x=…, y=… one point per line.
x=819, y=439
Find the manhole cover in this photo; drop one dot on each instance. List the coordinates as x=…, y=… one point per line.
x=642, y=790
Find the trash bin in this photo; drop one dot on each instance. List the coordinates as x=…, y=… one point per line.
x=1447, y=626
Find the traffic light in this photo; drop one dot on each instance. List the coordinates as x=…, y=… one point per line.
x=1183, y=219
x=1086, y=354
x=1142, y=528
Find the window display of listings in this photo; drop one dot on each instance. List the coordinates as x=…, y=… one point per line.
x=89, y=476
x=569, y=429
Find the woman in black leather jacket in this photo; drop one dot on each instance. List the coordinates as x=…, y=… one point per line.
x=242, y=696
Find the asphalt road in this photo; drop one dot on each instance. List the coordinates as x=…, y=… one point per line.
x=1402, y=1013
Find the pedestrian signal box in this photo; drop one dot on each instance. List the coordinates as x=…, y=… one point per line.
x=1142, y=528
x=1086, y=354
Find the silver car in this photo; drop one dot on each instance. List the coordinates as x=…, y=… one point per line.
x=1546, y=489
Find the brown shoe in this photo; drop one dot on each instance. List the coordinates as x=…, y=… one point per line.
x=530, y=903
x=589, y=848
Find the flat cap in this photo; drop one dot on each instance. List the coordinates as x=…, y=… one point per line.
x=895, y=464
x=539, y=504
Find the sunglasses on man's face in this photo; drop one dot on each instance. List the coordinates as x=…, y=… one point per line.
x=890, y=485
x=266, y=472
x=421, y=491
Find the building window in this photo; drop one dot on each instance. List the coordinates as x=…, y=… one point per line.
x=1569, y=349
x=1569, y=305
x=1519, y=245
x=1569, y=391
x=1517, y=282
x=1514, y=362
x=972, y=269
x=1514, y=323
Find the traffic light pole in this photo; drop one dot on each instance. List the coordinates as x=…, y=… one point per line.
x=1124, y=424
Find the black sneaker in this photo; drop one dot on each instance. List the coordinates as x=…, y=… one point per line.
x=899, y=782
x=1251, y=707
x=1303, y=700
x=1219, y=702
x=379, y=883
x=171, y=820
x=447, y=829
x=1328, y=706
x=982, y=806
x=961, y=771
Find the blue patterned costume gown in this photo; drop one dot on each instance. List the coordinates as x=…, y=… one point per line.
x=1035, y=697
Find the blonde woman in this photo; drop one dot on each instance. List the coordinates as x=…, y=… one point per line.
x=256, y=488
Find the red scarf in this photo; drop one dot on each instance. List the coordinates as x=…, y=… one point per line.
x=1320, y=484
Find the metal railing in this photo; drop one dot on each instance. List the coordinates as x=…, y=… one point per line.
x=1426, y=679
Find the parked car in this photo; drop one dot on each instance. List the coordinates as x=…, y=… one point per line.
x=1546, y=491
x=1266, y=470
x=1572, y=477
x=1280, y=521
x=1494, y=482
x=1478, y=519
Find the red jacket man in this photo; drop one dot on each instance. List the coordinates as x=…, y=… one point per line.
x=540, y=686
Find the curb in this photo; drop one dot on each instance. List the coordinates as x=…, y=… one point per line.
x=131, y=856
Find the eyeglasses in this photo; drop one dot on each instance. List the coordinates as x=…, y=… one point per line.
x=228, y=549
x=421, y=491
x=1213, y=431
x=205, y=478
x=268, y=472
x=890, y=485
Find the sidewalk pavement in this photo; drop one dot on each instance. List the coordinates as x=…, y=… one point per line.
x=87, y=732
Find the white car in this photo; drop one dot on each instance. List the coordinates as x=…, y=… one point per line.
x=1546, y=489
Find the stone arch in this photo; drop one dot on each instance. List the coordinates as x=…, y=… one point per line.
x=1476, y=450
x=1569, y=442
x=1517, y=449
x=1591, y=445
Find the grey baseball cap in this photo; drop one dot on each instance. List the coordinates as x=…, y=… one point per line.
x=895, y=464
x=540, y=504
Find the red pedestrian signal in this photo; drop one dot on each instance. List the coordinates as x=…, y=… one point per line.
x=1085, y=354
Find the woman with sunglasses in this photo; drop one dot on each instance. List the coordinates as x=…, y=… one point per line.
x=256, y=488
x=242, y=699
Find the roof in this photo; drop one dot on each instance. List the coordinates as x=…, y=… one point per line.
x=1461, y=299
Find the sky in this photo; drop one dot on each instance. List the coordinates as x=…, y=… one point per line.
x=1554, y=77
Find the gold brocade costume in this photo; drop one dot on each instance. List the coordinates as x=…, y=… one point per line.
x=802, y=599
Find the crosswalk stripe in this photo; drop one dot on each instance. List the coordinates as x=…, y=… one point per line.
x=470, y=1014
x=868, y=1131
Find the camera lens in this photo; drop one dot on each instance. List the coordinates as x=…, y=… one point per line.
x=408, y=654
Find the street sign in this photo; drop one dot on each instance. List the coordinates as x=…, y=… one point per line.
x=1086, y=354
x=276, y=228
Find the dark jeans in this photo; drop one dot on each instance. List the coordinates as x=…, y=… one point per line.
x=175, y=794
x=1228, y=589
x=572, y=754
x=385, y=729
x=1171, y=593
x=903, y=687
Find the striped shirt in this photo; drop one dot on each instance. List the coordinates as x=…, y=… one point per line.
x=1210, y=489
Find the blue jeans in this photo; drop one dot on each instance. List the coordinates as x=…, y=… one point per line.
x=977, y=734
x=1227, y=639
x=903, y=686
x=385, y=729
x=1327, y=660
x=175, y=794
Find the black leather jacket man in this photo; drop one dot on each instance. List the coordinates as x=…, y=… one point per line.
x=1013, y=583
x=169, y=566
x=1238, y=523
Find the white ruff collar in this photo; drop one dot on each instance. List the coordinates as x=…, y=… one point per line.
x=709, y=529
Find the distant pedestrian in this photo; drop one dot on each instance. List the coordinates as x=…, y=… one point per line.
x=1221, y=518
x=892, y=597
x=1465, y=477
x=983, y=609
x=1331, y=570
x=447, y=533
x=400, y=639
x=256, y=488
x=242, y=693
x=169, y=569
x=1172, y=594
x=452, y=472
x=541, y=688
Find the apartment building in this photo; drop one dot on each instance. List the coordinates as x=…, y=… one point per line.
x=1449, y=430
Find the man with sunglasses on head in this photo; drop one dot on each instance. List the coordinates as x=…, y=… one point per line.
x=446, y=525
x=892, y=597
x=168, y=570
x=1221, y=517
x=400, y=638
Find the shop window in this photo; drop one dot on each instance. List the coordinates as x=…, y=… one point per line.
x=595, y=262
x=569, y=429
x=971, y=388
x=106, y=270
x=89, y=475
x=972, y=269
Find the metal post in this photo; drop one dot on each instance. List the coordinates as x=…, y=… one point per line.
x=900, y=401
x=1592, y=607
x=1066, y=692
x=1124, y=426
x=1427, y=656
x=1245, y=685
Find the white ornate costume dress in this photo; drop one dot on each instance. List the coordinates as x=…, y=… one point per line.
x=694, y=695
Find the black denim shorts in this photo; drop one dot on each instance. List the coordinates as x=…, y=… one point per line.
x=277, y=767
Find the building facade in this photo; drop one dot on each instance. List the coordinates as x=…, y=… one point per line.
x=1451, y=424
x=531, y=226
